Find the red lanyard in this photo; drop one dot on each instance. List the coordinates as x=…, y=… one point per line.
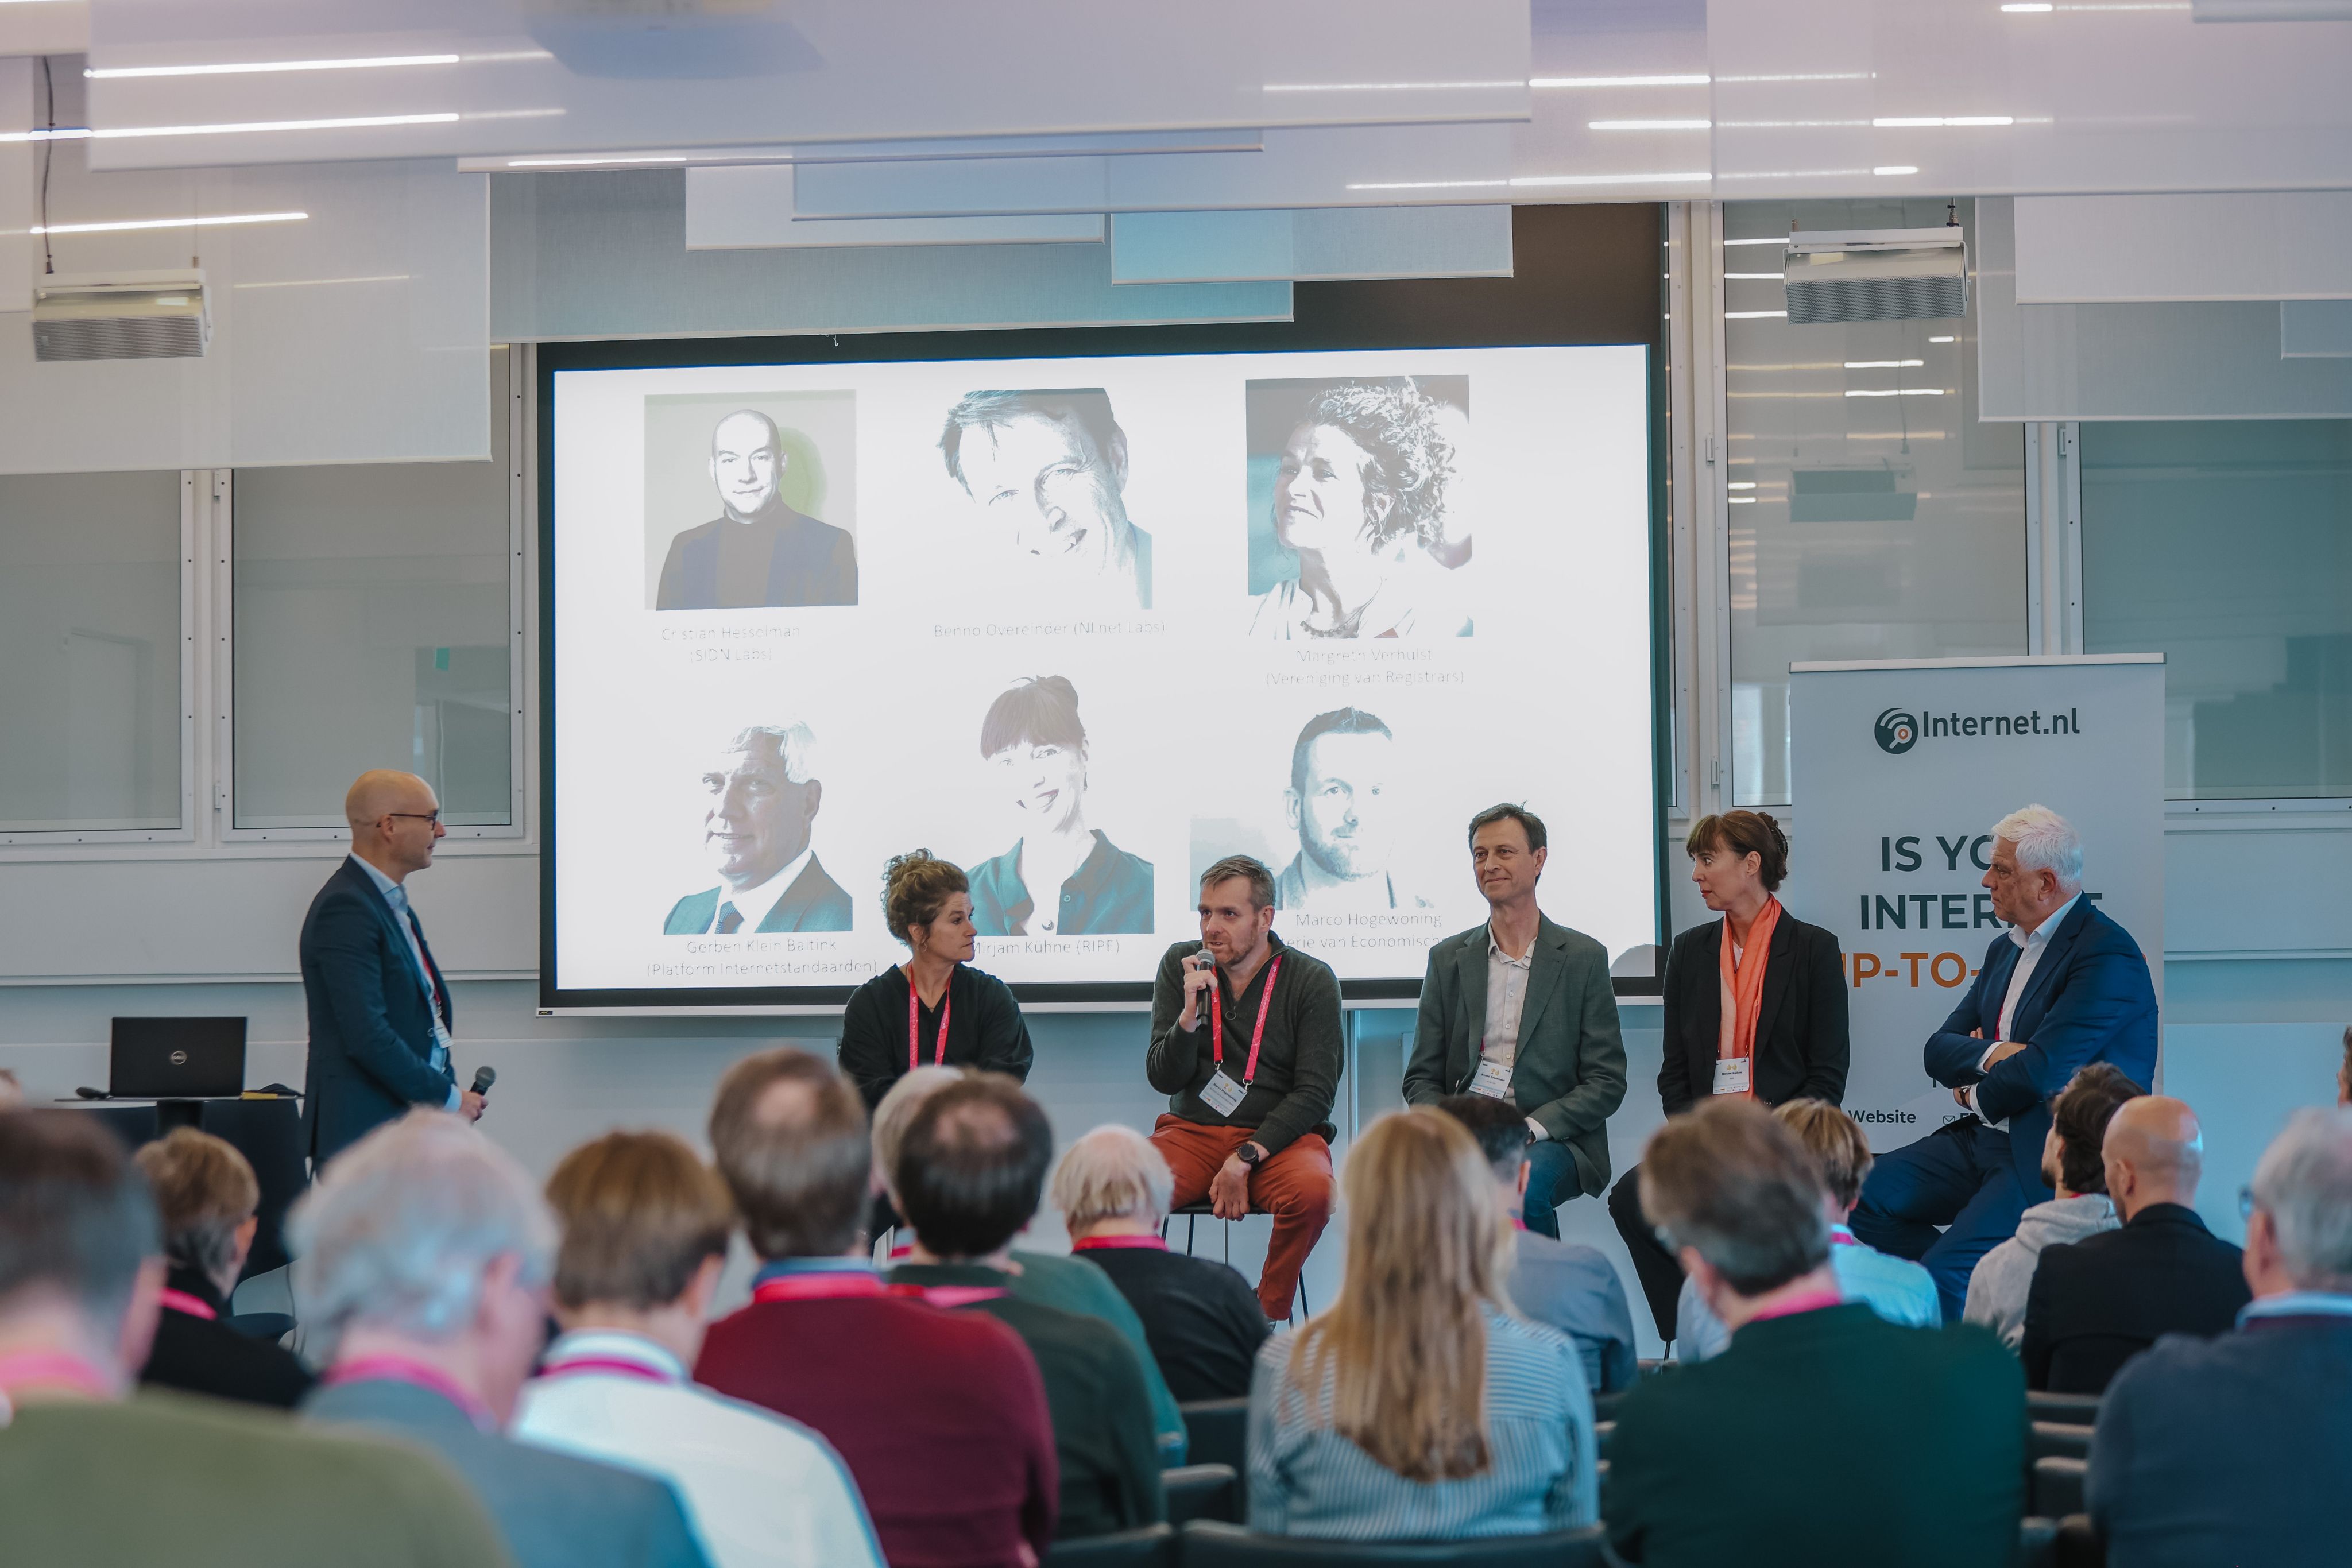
x=194, y=1306
x=1258, y=1036
x=606, y=1364
x=914, y=1013
x=1106, y=1243
x=1811, y=1301
x=950, y=1296
x=417, y=1374
x=51, y=1368
x=833, y=1284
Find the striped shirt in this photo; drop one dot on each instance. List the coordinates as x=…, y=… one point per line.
x=1306, y=1479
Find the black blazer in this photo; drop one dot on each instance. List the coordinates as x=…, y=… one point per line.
x=986, y=1030
x=370, y=1016
x=1802, y=1048
x=2099, y=1302
x=204, y=1355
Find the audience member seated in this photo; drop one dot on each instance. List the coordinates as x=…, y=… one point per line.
x=2096, y=1305
x=645, y=1224
x=1574, y=1289
x=1824, y=1434
x=1419, y=1408
x=2233, y=1449
x=422, y=1258
x=2072, y=1166
x=970, y=1171
x=1896, y=1289
x=88, y=1476
x=940, y=1415
x=208, y=1195
x=1201, y=1318
x=1067, y=1282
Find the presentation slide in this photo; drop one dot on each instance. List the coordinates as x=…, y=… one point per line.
x=1084, y=626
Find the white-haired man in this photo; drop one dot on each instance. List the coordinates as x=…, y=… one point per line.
x=1201, y=1319
x=2063, y=987
x=2230, y=1449
x=760, y=806
x=424, y=1256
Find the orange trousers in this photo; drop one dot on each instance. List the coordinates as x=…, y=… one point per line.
x=1294, y=1185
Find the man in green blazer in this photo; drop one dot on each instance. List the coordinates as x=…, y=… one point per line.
x=1824, y=1434
x=1521, y=1008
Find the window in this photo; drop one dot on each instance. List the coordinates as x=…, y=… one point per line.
x=91, y=641
x=1871, y=515
x=2227, y=545
x=375, y=627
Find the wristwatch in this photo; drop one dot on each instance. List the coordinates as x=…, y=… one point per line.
x=1249, y=1154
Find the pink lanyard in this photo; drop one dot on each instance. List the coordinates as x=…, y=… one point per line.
x=1258, y=1036
x=416, y=1374
x=914, y=1014
x=1813, y=1302
x=1108, y=1243
x=613, y=1364
x=194, y=1307
x=950, y=1295
x=49, y=1368
x=831, y=1285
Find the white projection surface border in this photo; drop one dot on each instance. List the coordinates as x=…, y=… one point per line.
x=1083, y=626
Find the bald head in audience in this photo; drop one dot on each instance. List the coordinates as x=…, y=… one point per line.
x=2153, y=1152
x=395, y=820
x=790, y=1137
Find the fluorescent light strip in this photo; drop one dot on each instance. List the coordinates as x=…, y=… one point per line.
x=1618, y=81
x=1525, y=181
x=1754, y=315
x=1387, y=86
x=1775, y=240
x=1790, y=124
x=1943, y=339
x=1897, y=391
x=313, y=282
x=1930, y=122
x=186, y=223
x=2036, y=8
x=360, y=122
x=1896, y=169
x=1882, y=364
x=116, y=73
x=1741, y=485
x=1822, y=76
x=1649, y=125
x=592, y=162
x=1754, y=277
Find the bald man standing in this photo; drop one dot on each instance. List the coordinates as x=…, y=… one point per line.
x=760, y=552
x=2096, y=1305
x=380, y=1010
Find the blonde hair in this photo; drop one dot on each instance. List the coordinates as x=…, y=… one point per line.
x=205, y=1189
x=1404, y=1346
x=641, y=1213
x=1112, y=1172
x=1837, y=1143
x=896, y=1112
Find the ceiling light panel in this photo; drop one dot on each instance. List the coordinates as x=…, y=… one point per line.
x=718, y=76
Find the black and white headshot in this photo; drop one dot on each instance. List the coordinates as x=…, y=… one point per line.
x=1046, y=473
x=1356, y=487
x=1344, y=804
x=762, y=550
x=1061, y=877
x=760, y=801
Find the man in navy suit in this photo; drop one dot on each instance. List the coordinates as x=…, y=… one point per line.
x=380, y=1010
x=2065, y=987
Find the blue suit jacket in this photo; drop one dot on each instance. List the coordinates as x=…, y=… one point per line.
x=370, y=1016
x=2089, y=1000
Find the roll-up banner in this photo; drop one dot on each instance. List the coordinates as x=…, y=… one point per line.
x=1898, y=772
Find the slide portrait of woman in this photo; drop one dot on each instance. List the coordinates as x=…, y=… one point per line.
x=1359, y=497
x=1060, y=878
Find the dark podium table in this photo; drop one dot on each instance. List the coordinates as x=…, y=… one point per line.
x=268, y=1131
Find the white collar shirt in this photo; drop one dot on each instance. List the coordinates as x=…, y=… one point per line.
x=756, y=903
x=1507, y=999
x=2033, y=945
x=761, y=1492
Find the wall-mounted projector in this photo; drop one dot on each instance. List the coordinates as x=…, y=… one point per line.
x=121, y=316
x=1877, y=275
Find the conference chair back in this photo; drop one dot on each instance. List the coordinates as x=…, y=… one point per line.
x=1219, y=1432
x=2055, y=1440
x=2057, y=1489
x=1209, y=1545
x=1203, y=1491
x=1152, y=1546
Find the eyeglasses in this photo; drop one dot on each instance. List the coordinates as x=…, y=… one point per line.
x=431, y=817
x=2245, y=1203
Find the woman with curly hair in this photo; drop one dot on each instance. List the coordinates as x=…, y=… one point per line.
x=934, y=1009
x=1361, y=497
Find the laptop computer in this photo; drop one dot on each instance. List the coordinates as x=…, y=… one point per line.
x=176, y=1059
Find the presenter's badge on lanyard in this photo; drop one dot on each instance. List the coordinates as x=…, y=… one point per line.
x=1493, y=1080
x=1731, y=1074
x=1221, y=1093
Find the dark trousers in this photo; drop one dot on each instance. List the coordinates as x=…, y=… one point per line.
x=1551, y=1175
x=1660, y=1274
x=1959, y=1178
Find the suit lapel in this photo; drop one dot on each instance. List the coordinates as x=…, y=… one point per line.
x=1473, y=979
x=393, y=930
x=1776, y=976
x=794, y=907
x=1545, y=975
x=1999, y=963
x=2054, y=957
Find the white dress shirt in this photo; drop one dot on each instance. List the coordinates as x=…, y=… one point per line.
x=397, y=896
x=1507, y=999
x=760, y=1490
x=2034, y=943
x=756, y=903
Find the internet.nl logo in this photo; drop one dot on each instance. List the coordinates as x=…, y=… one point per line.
x=1897, y=731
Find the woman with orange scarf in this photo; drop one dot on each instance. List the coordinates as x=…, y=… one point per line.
x=1756, y=1006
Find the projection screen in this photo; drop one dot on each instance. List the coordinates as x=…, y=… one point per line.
x=1084, y=626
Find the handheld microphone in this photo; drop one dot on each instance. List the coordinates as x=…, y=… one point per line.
x=483, y=1078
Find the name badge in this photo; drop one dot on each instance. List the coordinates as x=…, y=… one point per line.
x=1493, y=1080
x=1731, y=1074
x=1221, y=1094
